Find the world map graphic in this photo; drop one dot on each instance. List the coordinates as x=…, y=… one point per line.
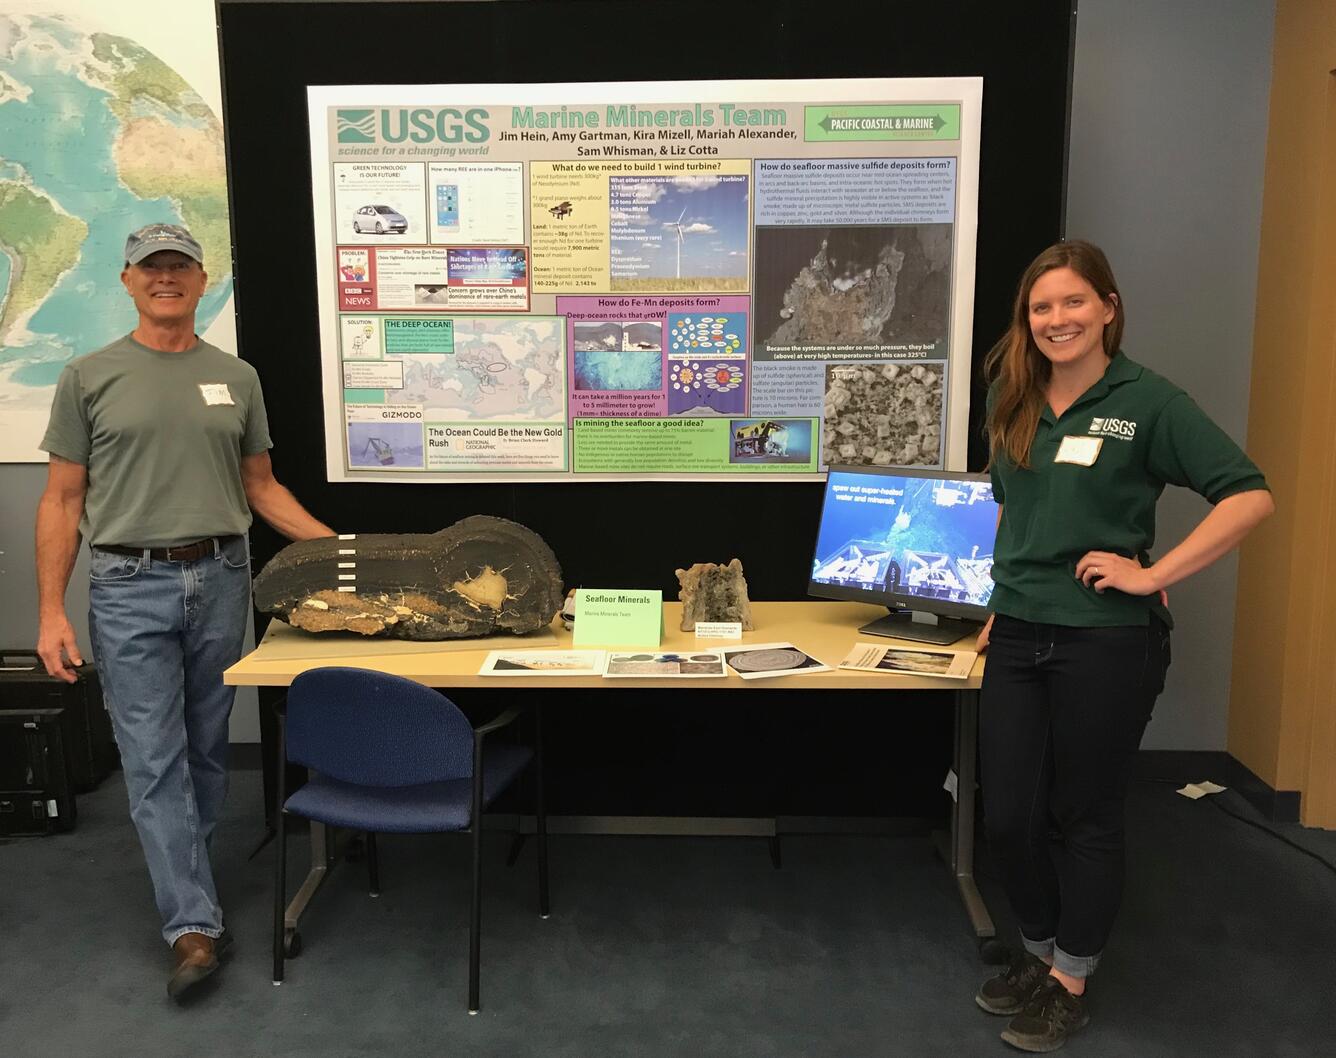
x=98, y=137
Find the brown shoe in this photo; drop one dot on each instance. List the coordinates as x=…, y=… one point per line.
x=195, y=960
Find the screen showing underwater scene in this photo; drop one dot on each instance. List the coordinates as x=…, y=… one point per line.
x=915, y=537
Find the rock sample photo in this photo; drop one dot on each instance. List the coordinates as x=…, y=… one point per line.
x=711, y=592
x=883, y=415
x=866, y=286
x=482, y=576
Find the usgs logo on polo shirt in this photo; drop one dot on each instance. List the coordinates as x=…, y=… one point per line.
x=1119, y=428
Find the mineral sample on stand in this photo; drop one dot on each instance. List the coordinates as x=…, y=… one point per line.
x=481, y=576
x=711, y=592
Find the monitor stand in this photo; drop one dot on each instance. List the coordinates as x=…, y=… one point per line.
x=922, y=628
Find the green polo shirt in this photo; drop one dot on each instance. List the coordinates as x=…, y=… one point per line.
x=1152, y=434
x=162, y=436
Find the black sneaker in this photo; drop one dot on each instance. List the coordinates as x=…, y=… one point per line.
x=1051, y=1015
x=1008, y=991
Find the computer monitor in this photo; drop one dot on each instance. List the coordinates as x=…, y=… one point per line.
x=919, y=542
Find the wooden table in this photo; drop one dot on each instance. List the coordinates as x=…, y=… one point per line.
x=826, y=630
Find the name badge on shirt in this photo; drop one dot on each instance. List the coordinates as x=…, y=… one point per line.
x=216, y=393
x=1083, y=451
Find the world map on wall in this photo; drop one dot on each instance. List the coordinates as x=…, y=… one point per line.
x=98, y=137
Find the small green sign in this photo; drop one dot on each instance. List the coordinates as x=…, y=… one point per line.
x=618, y=617
x=419, y=335
x=364, y=396
x=900, y=121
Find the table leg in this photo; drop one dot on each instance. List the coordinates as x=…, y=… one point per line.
x=959, y=849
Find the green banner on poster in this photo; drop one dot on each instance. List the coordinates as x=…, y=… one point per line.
x=891, y=122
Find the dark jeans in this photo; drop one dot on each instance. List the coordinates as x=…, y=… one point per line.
x=1061, y=714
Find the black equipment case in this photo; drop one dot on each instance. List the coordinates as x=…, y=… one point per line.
x=55, y=741
x=36, y=795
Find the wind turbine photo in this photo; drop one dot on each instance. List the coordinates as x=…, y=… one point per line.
x=678, y=226
x=679, y=232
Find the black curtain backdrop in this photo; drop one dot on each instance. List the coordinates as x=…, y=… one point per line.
x=663, y=752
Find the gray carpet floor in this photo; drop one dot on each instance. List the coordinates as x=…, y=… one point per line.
x=660, y=946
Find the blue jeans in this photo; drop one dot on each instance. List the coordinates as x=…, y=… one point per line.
x=1061, y=716
x=162, y=634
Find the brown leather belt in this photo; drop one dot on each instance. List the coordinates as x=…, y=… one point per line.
x=177, y=553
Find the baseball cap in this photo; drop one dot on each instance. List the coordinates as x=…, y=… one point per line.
x=154, y=237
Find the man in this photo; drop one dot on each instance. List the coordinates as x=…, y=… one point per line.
x=159, y=453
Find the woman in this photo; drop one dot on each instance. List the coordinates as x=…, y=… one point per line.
x=1083, y=442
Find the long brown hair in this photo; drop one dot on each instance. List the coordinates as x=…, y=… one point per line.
x=1015, y=362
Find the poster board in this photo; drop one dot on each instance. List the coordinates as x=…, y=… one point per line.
x=635, y=532
x=681, y=281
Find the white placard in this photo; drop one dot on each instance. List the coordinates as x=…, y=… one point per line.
x=718, y=629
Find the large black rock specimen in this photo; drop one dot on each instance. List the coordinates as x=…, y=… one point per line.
x=479, y=577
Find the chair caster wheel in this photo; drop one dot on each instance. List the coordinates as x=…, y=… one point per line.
x=993, y=952
x=292, y=943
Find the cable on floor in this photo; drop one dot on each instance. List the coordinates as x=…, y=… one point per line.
x=1215, y=800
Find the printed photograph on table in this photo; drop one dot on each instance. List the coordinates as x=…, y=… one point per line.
x=766, y=660
x=544, y=663
x=909, y=661
x=929, y=663
x=695, y=664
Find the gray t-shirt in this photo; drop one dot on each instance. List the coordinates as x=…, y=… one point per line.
x=162, y=436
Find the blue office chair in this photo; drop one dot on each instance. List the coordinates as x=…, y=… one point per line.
x=391, y=756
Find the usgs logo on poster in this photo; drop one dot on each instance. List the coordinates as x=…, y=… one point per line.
x=1122, y=429
x=414, y=125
